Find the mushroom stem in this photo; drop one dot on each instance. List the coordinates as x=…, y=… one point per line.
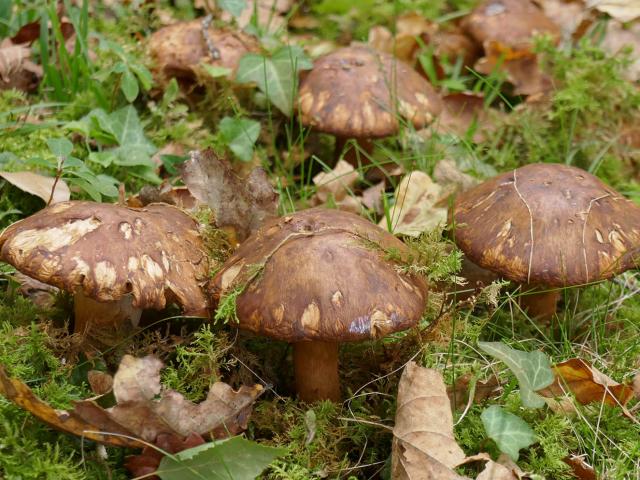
x=355, y=153
x=316, y=371
x=104, y=323
x=540, y=305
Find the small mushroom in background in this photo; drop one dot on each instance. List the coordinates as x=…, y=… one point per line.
x=358, y=93
x=178, y=49
x=548, y=226
x=317, y=278
x=116, y=261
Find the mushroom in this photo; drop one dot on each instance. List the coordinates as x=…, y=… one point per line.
x=178, y=49
x=115, y=260
x=317, y=278
x=358, y=93
x=548, y=226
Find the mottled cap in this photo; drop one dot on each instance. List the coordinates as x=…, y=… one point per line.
x=548, y=224
x=177, y=49
x=512, y=23
x=108, y=251
x=325, y=277
x=356, y=92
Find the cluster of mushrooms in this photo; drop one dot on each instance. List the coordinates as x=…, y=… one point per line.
x=319, y=277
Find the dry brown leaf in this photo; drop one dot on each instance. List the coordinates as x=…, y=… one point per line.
x=147, y=409
x=423, y=445
x=618, y=37
x=587, y=384
x=570, y=16
x=460, y=111
x=447, y=174
x=414, y=210
x=41, y=294
x=101, y=382
x=242, y=204
x=636, y=385
x=16, y=68
x=66, y=421
x=336, y=184
x=581, y=469
x=622, y=10
x=39, y=185
x=484, y=389
x=372, y=197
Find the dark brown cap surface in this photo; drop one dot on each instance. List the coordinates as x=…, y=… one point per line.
x=177, y=49
x=356, y=92
x=512, y=23
x=548, y=224
x=108, y=251
x=323, y=279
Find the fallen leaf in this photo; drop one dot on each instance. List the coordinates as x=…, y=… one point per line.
x=16, y=69
x=618, y=37
x=414, y=210
x=482, y=390
x=587, y=384
x=581, y=469
x=532, y=370
x=424, y=446
x=447, y=174
x=41, y=294
x=39, y=185
x=336, y=184
x=147, y=462
x=242, y=204
x=460, y=111
x=101, y=382
x=509, y=431
x=66, y=421
x=372, y=197
x=622, y=10
x=570, y=16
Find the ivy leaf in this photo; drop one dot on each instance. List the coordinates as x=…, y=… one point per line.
x=230, y=459
x=239, y=134
x=509, y=431
x=129, y=86
x=60, y=147
x=532, y=369
x=276, y=76
x=234, y=7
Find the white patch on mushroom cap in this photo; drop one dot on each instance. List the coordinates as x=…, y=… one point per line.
x=133, y=264
x=126, y=229
x=153, y=269
x=310, y=319
x=105, y=275
x=50, y=239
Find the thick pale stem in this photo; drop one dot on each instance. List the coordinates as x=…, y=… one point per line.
x=540, y=305
x=104, y=323
x=316, y=371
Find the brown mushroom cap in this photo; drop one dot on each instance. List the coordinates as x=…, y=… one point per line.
x=548, y=224
x=177, y=49
x=322, y=280
x=512, y=23
x=107, y=251
x=349, y=94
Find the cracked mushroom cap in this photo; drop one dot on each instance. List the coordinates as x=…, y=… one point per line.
x=349, y=94
x=548, y=224
x=177, y=49
x=324, y=279
x=108, y=251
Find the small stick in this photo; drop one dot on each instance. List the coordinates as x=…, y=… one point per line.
x=214, y=53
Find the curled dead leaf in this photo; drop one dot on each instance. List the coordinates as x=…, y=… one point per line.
x=101, y=382
x=587, y=384
x=336, y=184
x=242, y=204
x=617, y=37
x=415, y=210
x=39, y=185
x=16, y=69
x=622, y=10
x=464, y=385
x=41, y=294
x=581, y=469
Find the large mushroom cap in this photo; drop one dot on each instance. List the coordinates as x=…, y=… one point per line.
x=548, y=224
x=107, y=251
x=324, y=279
x=177, y=49
x=356, y=92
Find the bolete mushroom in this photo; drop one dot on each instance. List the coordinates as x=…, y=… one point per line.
x=547, y=226
x=317, y=278
x=358, y=93
x=115, y=260
x=178, y=49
